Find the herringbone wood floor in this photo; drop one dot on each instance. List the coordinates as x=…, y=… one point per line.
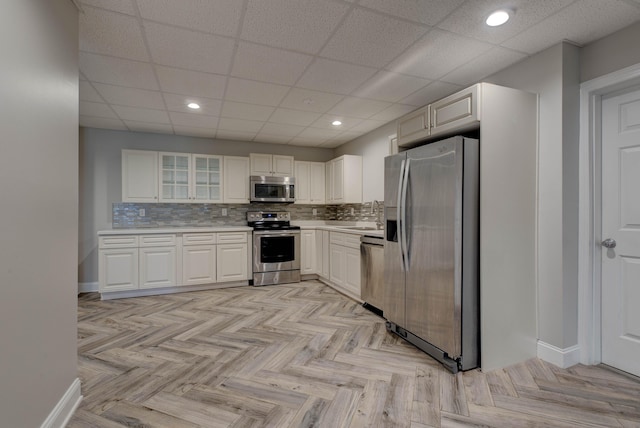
x=302, y=355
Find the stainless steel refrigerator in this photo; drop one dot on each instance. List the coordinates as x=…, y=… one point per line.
x=431, y=197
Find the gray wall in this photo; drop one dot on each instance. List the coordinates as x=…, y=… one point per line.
x=611, y=53
x=101, y=183
x=39, y=188
x=373, y=147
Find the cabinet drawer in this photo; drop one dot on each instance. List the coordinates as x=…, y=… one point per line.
x=120, y=241
x=157, y=240
x=232, y=237
x=198, y=238
x=337, y=238
x=352, y=241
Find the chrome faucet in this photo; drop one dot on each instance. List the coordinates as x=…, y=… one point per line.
x=377, y=204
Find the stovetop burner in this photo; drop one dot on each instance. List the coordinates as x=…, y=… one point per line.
x=270, y=220
x=274, y=226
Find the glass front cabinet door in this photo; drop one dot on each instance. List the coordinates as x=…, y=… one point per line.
x=188, y=177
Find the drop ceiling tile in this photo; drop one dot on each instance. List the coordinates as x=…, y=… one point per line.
x=268, y=64
x=272, y=139
x=122, y=6
x=248, y=91
x=470, y=19
x=116, y=71
x=195, y=132
x=88, y=93
x=482, y=66
x=142, y=114
x=281, y=129
x=581, y=22
x=227, y=124
x=120, y=95
x=195, y=120
x=392, y=87
x=96, y=110
x=157, y=128
x=323, y=134
x=112, y=34
x=368, y=125
x=191, y=83
x=331, y=144
x=359, y=107
x=234, y=110
x=211, y=16
x=324, y=122
x=335, y=77
x=178, y=103
x=428, y=12
x=305, y=142
x=302, y=25
x=371, y=39
x=308, y=100
x=293, y=117
x=437, y=54
x=188, y=49
x=430, y=93
x=393, y=112
x=102, y=123
x=235, y=135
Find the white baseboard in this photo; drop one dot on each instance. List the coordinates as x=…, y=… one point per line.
x=61, y=414
x=87, y=287
x=562, y=358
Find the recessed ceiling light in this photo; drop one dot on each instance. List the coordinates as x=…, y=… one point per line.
x=194, y=106
x=498, y=17
x=336, y=123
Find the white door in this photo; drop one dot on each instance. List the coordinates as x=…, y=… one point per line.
x=308, y=252
x=236, y=180
x=198, y=264
x=302, y=182
x=282, y=165
x=232, y=262
x=621, y=232
x=157, y=267
x=316, y=182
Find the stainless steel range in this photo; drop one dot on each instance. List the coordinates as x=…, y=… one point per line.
x=276, y=248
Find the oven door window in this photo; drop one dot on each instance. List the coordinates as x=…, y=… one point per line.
x=277, y=249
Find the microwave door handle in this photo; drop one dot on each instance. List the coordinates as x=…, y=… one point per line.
x=405, y=238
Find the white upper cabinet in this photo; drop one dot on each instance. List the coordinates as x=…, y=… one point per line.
x=236, y=180
x=139, y=176
x=414, y=126
x=186, y=177
x=277, y=165
x=344, y=180
x=310, y=182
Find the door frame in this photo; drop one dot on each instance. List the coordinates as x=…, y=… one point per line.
x=590, y=222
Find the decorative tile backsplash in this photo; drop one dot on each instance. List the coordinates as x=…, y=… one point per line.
x=127, y=215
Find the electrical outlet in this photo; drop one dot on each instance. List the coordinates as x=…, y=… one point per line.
x=224, y=212
x=141, y=212
x=353, y=211
x=314, y=211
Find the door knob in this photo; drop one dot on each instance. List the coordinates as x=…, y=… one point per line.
x=609, y=243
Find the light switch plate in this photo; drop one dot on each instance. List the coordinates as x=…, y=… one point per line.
x=224, y=212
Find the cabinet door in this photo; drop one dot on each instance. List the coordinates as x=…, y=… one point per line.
x=118, y=269
x=316, y=182
x=413, y=127
x=232, y=262
x=325, y=254
x=207, y=178
x=236, y=180
x=174, y=176
x=261, y=164
x=352, y=274
x=282, y=166
x=456, y=111
x=338, y=180
x=337, y=264
x=139, y=176
x=303, y=184
x=328, y=172
x=198, y=264
x=157, y=267
x=308, y=252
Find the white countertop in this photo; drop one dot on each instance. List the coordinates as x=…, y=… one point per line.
x=187, y=229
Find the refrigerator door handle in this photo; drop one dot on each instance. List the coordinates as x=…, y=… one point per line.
x=399, y=212
x=404, y=248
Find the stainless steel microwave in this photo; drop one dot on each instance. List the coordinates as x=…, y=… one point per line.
x=272, y=189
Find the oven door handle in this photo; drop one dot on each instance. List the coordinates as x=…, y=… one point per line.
x=274, y=233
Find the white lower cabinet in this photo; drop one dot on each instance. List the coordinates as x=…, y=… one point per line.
x=157, y=267
x=324, y=271
x=336, y=263
x=308, y=252
x=352, y=271
x=198, y=264
x=118, y=269
x=344, y=263
x=232, y=262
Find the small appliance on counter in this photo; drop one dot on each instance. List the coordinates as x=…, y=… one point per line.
x=276, y=248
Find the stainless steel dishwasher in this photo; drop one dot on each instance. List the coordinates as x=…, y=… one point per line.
x=372, y=272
